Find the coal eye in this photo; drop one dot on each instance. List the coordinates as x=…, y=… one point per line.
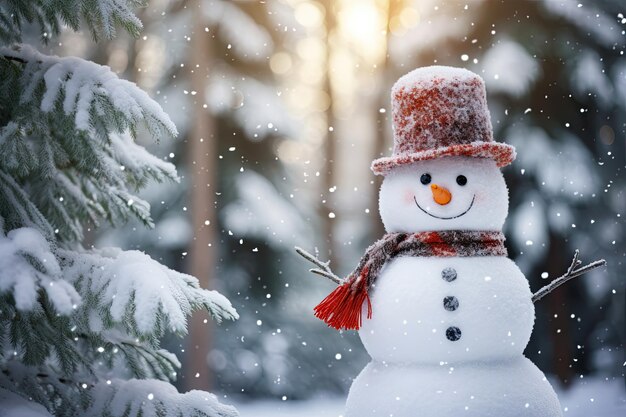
x=425, y=179
x=461, y=180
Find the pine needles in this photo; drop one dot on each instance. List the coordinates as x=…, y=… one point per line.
x=81, y=328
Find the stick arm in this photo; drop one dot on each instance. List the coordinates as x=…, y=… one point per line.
x=572, y=272
x=323, y=268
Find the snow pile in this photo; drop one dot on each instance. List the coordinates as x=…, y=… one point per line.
x=27, y=265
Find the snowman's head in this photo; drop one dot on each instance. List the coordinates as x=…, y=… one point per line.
x=448, y=193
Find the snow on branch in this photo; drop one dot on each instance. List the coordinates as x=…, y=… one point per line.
x=138, y=162
x=27, y=266
x=14, y=405
x=118, y=350
x=92, y=94
x=81, y=395
x=250, y=40
x=101, y=17
x=153, y=398
x=20, y=387
x=16, y=209
x=144, y=362
x=131, y=289
x=263, y=114
x=72, y=135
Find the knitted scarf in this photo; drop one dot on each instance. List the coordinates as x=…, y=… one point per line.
x=342, y=308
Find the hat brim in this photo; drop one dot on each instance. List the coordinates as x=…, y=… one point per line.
x=502, y=153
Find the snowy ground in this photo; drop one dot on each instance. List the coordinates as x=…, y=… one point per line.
x=590, y=398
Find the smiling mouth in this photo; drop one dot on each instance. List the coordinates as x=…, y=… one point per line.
x=445, y=218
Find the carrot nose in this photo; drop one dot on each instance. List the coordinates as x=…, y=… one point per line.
x=440, y=194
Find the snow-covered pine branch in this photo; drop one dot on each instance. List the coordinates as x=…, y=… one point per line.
x=16, y=209
x=112, y=397
x=13, y=405
x=28, y=266
x=128, y=302
x=100, y=16
x=91, y=93
x=133, y=292
x=152, y=398
x=71, y=127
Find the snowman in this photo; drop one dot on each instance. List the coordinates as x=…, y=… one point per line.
x=443, y=312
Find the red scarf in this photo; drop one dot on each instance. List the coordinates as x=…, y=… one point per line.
x=341, y=309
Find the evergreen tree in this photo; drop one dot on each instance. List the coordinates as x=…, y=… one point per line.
x=81, y=327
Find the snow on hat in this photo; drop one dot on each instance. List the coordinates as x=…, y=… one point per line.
x=441, y=111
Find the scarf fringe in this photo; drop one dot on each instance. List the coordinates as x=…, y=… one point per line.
x=342, y=308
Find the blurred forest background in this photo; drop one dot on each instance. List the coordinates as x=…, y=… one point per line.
x=282, y=105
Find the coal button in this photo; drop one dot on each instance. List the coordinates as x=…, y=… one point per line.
x=453, y=333
x=450, y=303
x=448, y=274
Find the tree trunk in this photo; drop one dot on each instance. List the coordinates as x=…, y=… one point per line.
x=201, y=155
x=383, y=131
x=327, y=173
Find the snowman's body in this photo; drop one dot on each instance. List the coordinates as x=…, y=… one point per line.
x=447, y=334
x=447, y=311
x=434, y=355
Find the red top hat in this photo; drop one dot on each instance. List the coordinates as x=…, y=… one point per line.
x=441, y=111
